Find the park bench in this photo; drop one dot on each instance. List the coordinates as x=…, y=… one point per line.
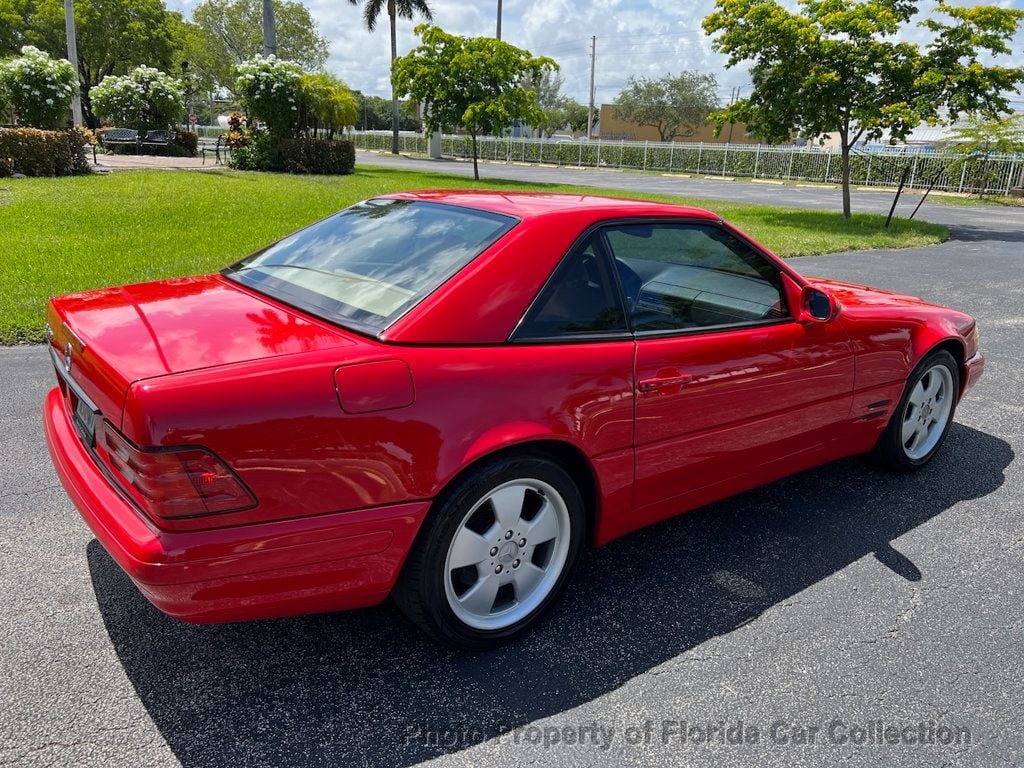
x=221, y=145
x=159, y=139
x=120, y=136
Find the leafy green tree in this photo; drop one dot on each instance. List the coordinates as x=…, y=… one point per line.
x=475, y=82
x=231, y=32
x=14, y=17
x=673, y=105
x=325, y=102
x=375, y=114
x=113, y=37
x=560, y=112
x=548, y=88
x=835, y=65
x=978, y=138
x=190, y=43
x=564, y=114
x=406, y=9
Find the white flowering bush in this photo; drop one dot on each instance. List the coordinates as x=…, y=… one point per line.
x=39, y=87
x=270, y=89
x=145, y=99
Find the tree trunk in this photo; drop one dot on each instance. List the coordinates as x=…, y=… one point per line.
x=87, y=114
x=476, y=171
x=85, y=84
x=269, y=29
x=392, y=14
x=845, y=151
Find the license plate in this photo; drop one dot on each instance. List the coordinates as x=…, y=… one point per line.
x=85, y=420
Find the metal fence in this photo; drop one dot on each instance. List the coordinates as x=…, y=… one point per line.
x=992, y=174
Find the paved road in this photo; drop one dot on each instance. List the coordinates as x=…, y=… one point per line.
x=971, y=219
x=841, y=594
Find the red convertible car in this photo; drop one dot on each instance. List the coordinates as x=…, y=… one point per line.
x=445, y=396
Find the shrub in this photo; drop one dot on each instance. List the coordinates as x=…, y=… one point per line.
x=42, y=153
x=186, y=144
x=39, y=88
x=269, y=90
x=146, y=99
x=252, y=152
x=314, y=156
x=264, y=152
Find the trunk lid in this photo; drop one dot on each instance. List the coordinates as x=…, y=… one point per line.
x=107, y=339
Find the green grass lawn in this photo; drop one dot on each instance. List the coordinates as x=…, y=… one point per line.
x=63, y=235
x=1007, y=201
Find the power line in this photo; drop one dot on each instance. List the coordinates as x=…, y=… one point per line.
x=648, y=35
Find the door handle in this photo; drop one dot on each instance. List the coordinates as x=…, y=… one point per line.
x=660, y=383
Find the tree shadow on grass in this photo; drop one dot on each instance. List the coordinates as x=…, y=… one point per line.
x=352, y=688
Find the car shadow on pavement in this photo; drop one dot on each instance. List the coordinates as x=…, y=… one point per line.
x=365, y=688
x=979, y=234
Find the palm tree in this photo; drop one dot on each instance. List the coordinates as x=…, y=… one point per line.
x=269, y=29
x=407, y=9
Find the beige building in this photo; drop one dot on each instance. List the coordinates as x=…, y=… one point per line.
x=613, y=129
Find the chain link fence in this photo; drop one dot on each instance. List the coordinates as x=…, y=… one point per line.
x=884, y=167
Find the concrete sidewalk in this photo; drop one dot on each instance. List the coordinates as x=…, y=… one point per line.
x=110, y=162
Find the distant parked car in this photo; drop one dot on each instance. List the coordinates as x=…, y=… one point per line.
x=445, y=396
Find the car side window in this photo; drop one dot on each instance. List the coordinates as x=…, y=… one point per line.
x=691, y=276
x=581, y=298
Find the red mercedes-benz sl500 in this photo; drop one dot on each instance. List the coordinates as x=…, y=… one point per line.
x=445, y=396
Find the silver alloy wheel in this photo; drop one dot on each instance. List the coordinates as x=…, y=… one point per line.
x=927, y=412
x=507, y=554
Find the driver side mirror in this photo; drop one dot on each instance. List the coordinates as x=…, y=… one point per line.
x=816, y=306
x=809, y=304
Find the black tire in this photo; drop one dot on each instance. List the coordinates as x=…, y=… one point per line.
x=889, y=451
x=420, y=590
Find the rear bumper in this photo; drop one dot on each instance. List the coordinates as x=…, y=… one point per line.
x=973, y=369
x=323, y=563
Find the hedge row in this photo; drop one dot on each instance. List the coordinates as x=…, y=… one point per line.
x=32, y=152
x=316, y=156
x=264, y=152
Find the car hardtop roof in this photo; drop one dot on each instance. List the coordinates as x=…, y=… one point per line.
x=527, y=205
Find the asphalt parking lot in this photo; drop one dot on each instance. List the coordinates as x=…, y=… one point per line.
x=838, y=599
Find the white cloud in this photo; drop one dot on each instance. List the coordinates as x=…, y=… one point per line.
x=634, y=37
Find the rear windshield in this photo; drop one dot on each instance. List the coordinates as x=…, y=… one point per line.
x=369, y=264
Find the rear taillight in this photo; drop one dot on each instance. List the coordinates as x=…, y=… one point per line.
x=172, y=483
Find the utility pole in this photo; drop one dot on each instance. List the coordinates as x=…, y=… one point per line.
x=498, y=31
x=732, y=100
x=590, y=109
x=69, y=26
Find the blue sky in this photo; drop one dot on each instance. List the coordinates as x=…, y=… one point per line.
x=634, y=37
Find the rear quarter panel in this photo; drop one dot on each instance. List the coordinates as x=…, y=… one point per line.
x=283, y=430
